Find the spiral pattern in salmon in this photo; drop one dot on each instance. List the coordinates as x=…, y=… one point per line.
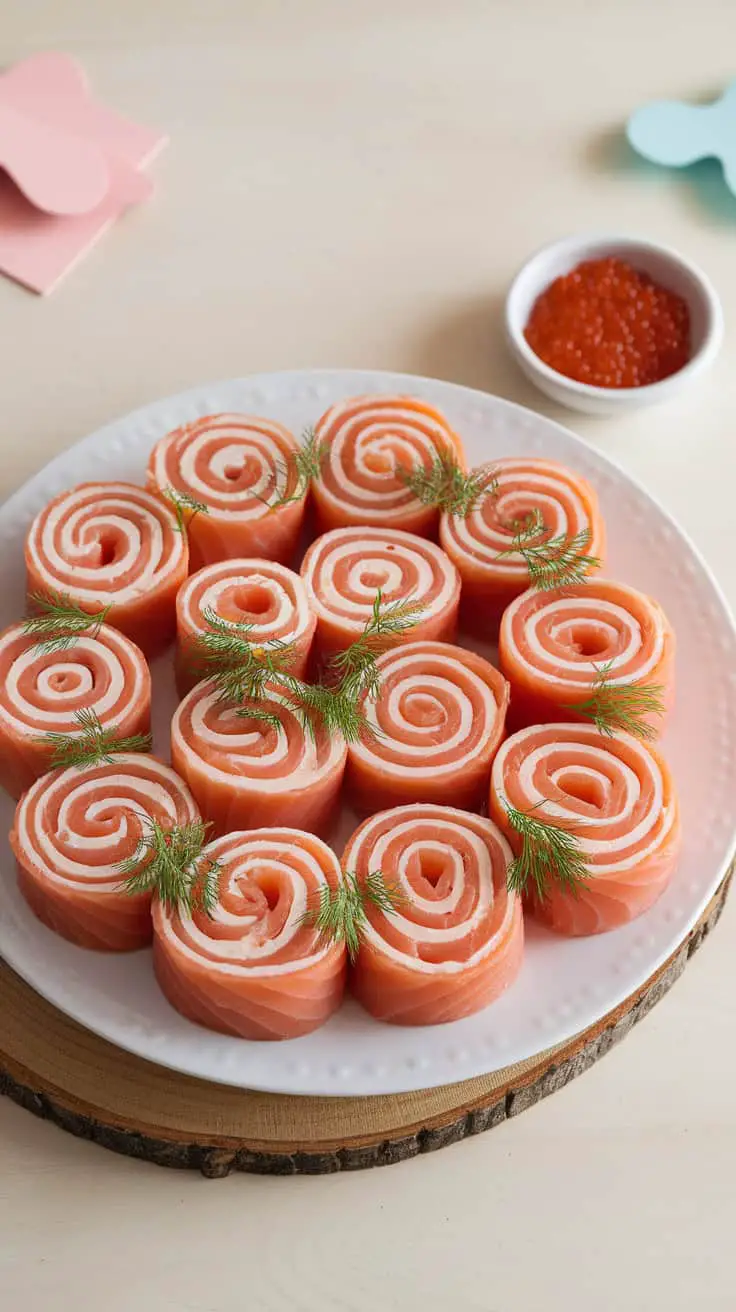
x=256, y=968
x=237, y=466
x=245, y=773
x=344, y=569
x=552, y=647
x=369, y=439
x=261, y=593
x=436, y=725
x=72, y=830
x=616, y=796
x=454, y=941
x=104, y=543
x=41, y=692
x=568, y=505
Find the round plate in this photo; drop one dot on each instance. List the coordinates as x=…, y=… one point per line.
x=565, y=985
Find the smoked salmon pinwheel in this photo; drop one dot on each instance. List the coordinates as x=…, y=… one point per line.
x=255, y=967
x=601, y=647
x=111, y=544
x=246, y=772
x=343, y=570
x=241, y=472
x=454, y=940
x=42, y=692
x=436, y=724
x=74, y=828
x=262, y=594
x=614, y=797
x=368, y=442
x=540, y=511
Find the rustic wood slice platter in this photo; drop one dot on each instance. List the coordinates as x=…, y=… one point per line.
x=62, y=1072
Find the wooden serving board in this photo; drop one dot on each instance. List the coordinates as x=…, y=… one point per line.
x=60, y=1071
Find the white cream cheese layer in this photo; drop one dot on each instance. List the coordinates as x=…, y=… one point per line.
x=246, y=858
x=629, y=831
x=69, y=855
x=63, y=678
x=87, y=516
x=449, y=829
x=377, y=558
x=207, y=457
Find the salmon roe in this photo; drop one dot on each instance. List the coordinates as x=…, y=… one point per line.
x=606, y=324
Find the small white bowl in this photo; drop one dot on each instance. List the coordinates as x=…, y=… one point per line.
x=662, y=264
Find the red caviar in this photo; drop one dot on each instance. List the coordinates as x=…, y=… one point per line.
x=606, y=324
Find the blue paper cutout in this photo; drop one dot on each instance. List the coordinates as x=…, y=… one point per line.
x=675, y=134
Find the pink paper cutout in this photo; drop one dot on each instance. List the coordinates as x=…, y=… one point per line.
x=56, y=172
x=72, y=167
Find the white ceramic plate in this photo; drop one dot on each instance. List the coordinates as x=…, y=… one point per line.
x=564, y=985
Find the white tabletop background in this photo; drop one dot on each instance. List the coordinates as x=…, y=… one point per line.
x=353, y=182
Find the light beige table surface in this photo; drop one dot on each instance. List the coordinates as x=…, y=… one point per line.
x=354, y=183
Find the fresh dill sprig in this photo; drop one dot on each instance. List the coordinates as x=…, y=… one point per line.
x=262, y=715
x=315, y=707
x=336, y=709
x=529, y=527
x=303, y=465
x=246, y=675
x=621, y=706
x=340, y=916
x=548, y=852
x=445, y=484
x=310, y=456
x=92, y=745
x=560, y=562
x=185, y=508
x=354, y=672
x=240, y=669
x=58, y=621
x=169, y=862
x=356, y=668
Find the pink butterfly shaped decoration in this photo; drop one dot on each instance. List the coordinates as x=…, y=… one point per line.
x=69, y=167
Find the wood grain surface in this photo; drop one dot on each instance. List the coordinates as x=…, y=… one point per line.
x=60, y=1071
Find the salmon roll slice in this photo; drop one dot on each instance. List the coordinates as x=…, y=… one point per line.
x=616, y=796
x=528, y=487
x=343, y=570
x=112, y=544
x=436, y=725
x=368, y=441
x=556, y=648
x=42, y=692
x=245, y=772
x=455, y=938
x=261, y=593
x=74, y=828
x=255, y=968
x=237, y=467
